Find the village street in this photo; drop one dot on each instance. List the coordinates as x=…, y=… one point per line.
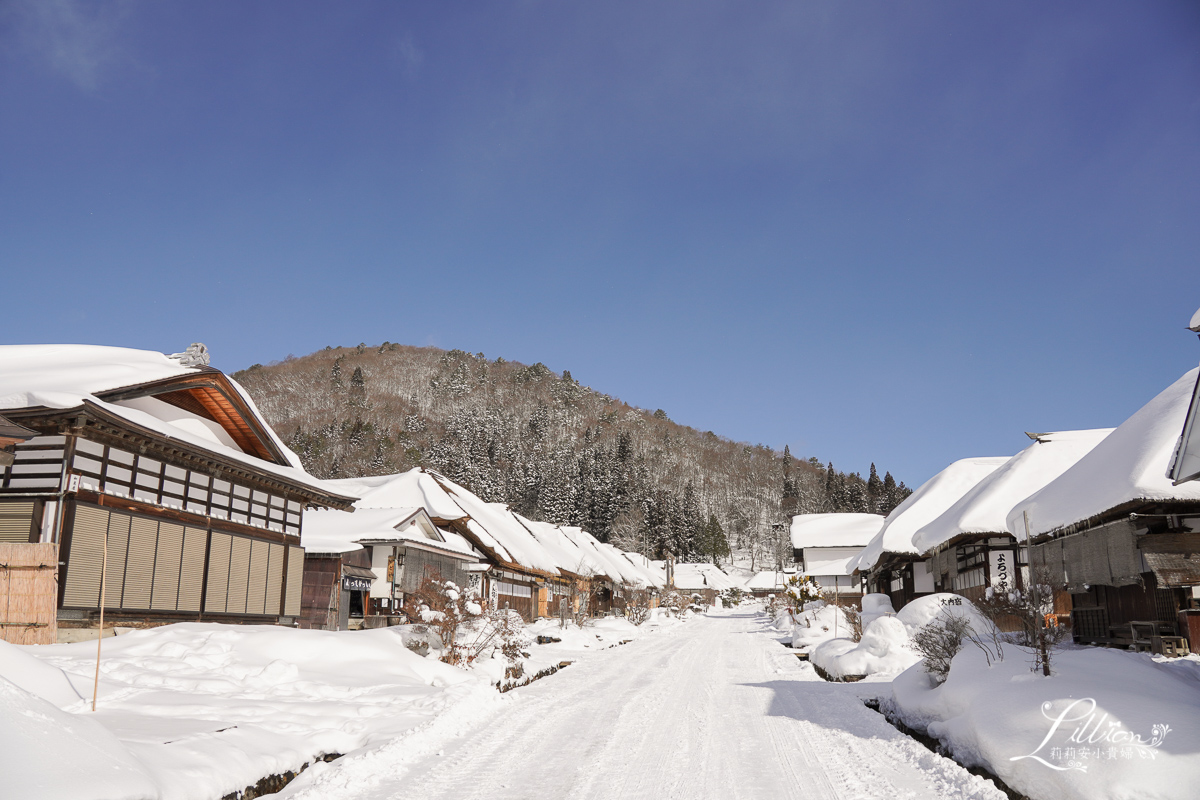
x=714, y=708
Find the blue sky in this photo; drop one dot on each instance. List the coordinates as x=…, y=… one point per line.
x=890, y=232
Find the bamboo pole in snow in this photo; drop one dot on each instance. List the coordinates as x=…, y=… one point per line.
x=100, y=638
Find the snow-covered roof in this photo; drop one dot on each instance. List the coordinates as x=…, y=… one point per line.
x=602, y=562
x=984, y=509
x=629, y=574
x=654, y=576
x=693, y=577
x=494, y=522
x=923, y=506
x=1130, y=465
x=62, y=376
x=768, y=580
x=834, y=530
x=835, y=566
x=413, y=488
x=331, y=531
x=567, y=555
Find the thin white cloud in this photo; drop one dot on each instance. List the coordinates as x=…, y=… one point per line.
x=409, y=57
x=77, y=39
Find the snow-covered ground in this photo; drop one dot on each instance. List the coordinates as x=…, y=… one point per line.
x=715, y=707
x=198, y=710
x=711, y=706
x=1105, y=724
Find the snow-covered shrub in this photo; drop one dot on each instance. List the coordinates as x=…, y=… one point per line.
x=637, y=606
x=440, y=607
x=801, y=589
x=939, y=642
x=1038, y=632
x=731, y=597
x=674, y=603
x=884, y=649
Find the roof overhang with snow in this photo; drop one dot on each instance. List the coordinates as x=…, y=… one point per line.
x=834, y=530
x=1127, y=472
x=983, y=511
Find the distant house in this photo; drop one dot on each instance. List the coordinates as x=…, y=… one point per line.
x=360, y=566
x=1118, y=534
x=825, y=547
x=705, y=580
x=969, y=545
x=168, y=461
x=769, y=582
x=519, y=566
x=891, y=563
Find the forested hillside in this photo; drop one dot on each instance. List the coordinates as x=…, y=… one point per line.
x=551, y=448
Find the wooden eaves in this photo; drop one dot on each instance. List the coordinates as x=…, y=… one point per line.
x=115, y=430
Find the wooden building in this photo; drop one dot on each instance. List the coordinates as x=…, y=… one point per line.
x=360, y=566
x=970, y=546
x=890, y=562
x=519, y=567
x=167, y=461
x=826, y=546
x=1117, y=534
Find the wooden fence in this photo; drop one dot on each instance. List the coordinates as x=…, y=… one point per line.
x=28, y=593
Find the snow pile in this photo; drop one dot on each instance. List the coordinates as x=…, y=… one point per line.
x=875, y=606
x=819, y=622
x=1107, y=725
x=209, y=709
x=885, y=648
x=46, y=752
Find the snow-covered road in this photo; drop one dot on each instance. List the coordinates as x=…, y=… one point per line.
x=710, y=709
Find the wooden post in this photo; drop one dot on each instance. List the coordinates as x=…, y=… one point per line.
x=100, y=638
x=837, y=601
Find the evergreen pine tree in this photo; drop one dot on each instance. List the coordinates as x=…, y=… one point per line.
x=875, y=493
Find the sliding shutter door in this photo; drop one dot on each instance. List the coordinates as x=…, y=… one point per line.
x=87, y=551
x=118, y=552
x=256, y=594
x=275, y=579
x=139, y=569
x=191, y=572
x=239, y=575
x=165, y=596
x=295, y=580
x=16, y=522
x=218, y=573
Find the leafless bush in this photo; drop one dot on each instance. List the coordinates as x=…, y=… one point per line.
x=853, y=618
x=1038, y=632
x=637, y=608
x=674, y=602
x=939, y=642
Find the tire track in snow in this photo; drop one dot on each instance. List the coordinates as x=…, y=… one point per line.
x=714, y=709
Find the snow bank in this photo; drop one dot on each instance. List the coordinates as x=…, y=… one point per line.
x=48, y=753
x=209, y=709
x=886, y=647
x=818, y=623
x=1108, y=725
x=36, y=677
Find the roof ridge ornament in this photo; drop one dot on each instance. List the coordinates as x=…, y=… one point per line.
x=196, y=355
